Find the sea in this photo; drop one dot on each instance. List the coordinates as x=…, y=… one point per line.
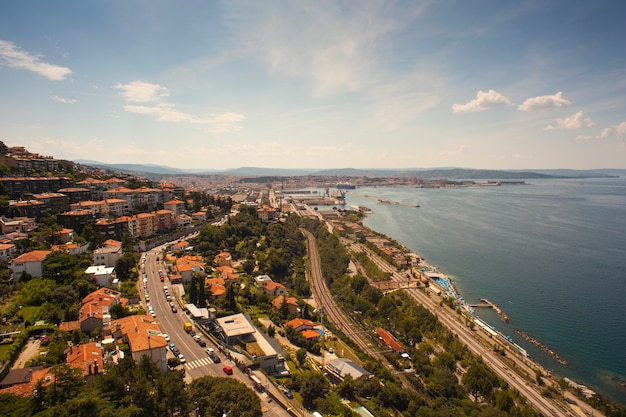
x=551, y=253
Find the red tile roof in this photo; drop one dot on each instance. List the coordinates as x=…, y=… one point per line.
x=32, y=256
x=389, y=340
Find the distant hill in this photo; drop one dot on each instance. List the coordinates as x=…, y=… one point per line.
x=143, y=168
x=450, y=173
x=262, y=172
x=454, y=173
x=586, y=173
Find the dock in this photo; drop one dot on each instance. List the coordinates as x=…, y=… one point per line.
x=383, y=201
x=489, y=304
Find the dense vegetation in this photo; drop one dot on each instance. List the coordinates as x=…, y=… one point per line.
x=131, y=389
x=445, y=371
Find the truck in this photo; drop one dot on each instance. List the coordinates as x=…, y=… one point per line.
x=188, y=327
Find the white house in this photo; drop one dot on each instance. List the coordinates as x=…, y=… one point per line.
x=100, y=274
x=107, y=256
x=29, y=262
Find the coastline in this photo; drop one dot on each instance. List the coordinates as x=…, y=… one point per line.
x=488, y=328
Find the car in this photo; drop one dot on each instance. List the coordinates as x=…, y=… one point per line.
x=174, y=310
x=166, y=336
x=192, y=333
x=182, y=358
x=286, y=391
x=213, y=355
x=228, y=370
x=202, y=343
x=153, y=314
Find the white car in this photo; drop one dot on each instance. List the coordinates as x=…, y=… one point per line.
x=182, y=358
x=166, y=336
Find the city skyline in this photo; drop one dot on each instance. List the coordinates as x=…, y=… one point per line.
x=372, y=84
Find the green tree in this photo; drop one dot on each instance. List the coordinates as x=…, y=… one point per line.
x=193, y=291
x=480, y=380
x=346, y=388
x=201, y=293
x=445, y=360
x=211, y=395
x=230, y=297
x=301, y=356
x=505, y=400
x=314, y=385
x=36, y=291
x=56, y=351
x=125, y=264
x=118, y=311
x=60, y=267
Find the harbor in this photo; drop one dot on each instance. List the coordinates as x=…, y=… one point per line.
x=384, y=201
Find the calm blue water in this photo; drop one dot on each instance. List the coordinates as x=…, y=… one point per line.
x=552, y=254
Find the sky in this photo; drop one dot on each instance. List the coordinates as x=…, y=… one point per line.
x=205, y=84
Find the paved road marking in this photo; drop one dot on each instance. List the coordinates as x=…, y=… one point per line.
x=197, y=363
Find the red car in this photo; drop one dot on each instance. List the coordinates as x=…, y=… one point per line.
x=228, y=370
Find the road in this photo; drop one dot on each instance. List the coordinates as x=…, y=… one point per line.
x=198, y=363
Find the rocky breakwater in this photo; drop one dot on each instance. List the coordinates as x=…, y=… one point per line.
x=543, y=347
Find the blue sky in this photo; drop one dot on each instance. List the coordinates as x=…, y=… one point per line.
x=317, y=84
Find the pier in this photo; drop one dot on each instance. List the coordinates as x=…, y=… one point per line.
x=383, y=201
x=489, y=304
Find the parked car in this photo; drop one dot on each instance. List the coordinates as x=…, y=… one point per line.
x=287, y=392
x=182, y=358
x=213, y=356
x=174, y=309
x=202, y=343
x=166, y=336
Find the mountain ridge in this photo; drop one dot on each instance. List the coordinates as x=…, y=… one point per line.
x=444, y=172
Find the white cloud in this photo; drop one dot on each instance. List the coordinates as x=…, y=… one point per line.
x=575, y=121
x=142, y=91
x=153, y=94
x=606, y=133
x=167, y=112
x=331, y=45
x=63, y=100
x=12, y=56
x=484, y=100
x=544, y=102
x=618, y=131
